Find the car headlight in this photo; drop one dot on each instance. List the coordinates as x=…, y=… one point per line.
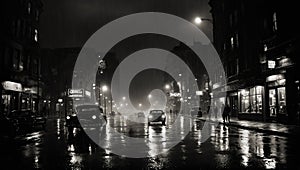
x=163, y=116
x=150, y=117
x=68, y=117
x=94, y=117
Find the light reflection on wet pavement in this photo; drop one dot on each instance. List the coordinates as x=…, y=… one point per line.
x=229, y=147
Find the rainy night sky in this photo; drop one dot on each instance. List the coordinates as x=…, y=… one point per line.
x=69, y=23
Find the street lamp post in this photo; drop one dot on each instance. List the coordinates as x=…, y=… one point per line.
x=104, y=89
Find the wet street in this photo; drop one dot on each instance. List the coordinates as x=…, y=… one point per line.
x=57, y=147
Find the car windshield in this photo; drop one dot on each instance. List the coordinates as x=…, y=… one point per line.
x=88, y=110
x=156, y=112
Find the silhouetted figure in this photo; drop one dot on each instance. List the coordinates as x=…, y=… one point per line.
x=216, y=111
x=199, y=112
x=226, y=113
x=207, y=109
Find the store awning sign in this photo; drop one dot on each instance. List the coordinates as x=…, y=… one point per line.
x=75, y=92
x=13, y=86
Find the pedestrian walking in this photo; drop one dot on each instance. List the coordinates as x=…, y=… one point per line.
x=226, y=113
x=216, y=111
x=199, y=112
x=207, y=109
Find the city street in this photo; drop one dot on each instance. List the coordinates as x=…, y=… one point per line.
x=56, y=147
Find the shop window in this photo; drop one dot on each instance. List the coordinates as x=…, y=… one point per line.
x=251, y=100
x=281, y=100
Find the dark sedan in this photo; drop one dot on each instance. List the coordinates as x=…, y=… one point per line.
x=24, y=118
x=157, y=116
x=86, y=116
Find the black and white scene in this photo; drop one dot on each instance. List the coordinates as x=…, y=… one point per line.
x=149, y=85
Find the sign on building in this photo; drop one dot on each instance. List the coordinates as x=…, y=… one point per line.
x=75, y=92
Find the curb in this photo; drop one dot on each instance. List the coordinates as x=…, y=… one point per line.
x=272, y=132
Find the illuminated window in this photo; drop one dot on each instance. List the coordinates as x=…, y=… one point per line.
x=251, y=100
x=35, y=35
x=232, y=42
x=29, y=8
x=265, y=47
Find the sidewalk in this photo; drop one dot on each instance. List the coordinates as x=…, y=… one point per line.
x=265, y=127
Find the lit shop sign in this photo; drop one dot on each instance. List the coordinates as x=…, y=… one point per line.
x=32, y=90
x=9, y=85
x=271, y=64
x=88, y=93
x=75, y=92
x=175, y=95
x=199, y=93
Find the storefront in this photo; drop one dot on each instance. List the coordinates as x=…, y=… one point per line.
x=277, y=95
x=10, y=96
x=251, y=103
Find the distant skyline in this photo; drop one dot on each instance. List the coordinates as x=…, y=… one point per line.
x=69, y=23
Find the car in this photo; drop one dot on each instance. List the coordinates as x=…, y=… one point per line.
x=157, y=116
x=196, y=111
x=140, y=114
x=86, y=116
x=72, y=120
x=24, y=118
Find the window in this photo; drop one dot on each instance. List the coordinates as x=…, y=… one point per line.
x=251, y=100
x=237, y=40
x=37, y=13
x=265, y=47
x=35, y=35
x=232, y=67
x=29, y=7
x=232, y=42
x=281, y=100
x=274, y=21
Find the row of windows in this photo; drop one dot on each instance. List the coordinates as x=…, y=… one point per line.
x=15, y=59
x=21, y=29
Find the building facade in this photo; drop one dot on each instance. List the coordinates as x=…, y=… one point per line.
x=20, y=87
x=258, y=45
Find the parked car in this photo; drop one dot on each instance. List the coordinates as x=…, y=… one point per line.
x=24, y=118
x=86, y=116
x=157, y=116
x=140, y=114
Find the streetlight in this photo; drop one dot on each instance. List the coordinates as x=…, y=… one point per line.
x=104, y=89
x=167, y=86
x=199, y=20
